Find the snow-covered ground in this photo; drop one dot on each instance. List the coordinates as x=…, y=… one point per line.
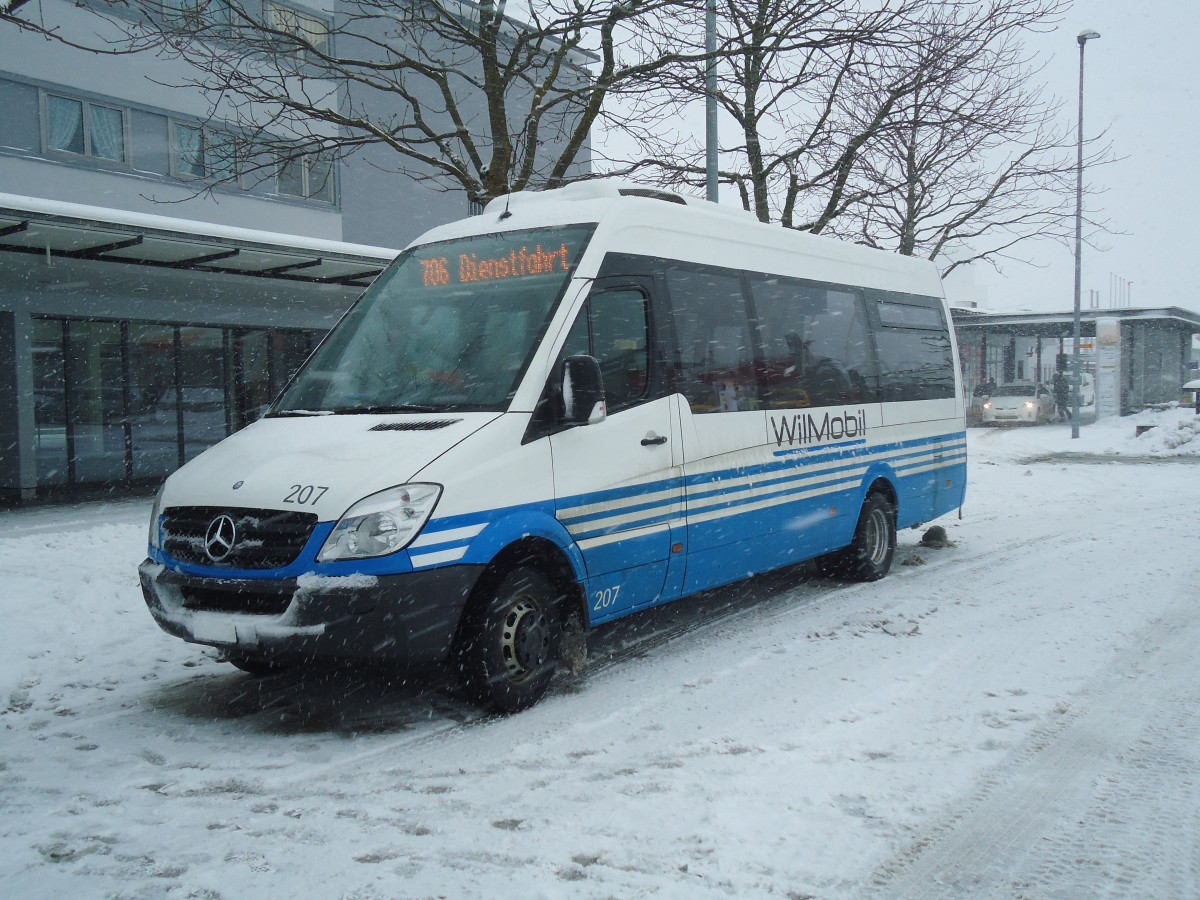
x=1017, y=715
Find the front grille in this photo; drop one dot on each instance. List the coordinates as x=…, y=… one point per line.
x=264, y=538
x=255, y=603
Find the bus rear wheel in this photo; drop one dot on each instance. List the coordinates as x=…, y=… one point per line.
x=869, y=556
x=508, y=648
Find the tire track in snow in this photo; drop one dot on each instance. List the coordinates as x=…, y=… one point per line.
x=1014, y=837
x=1123, y=843
x=790, y=602
x=393, y=720
x=331, y=705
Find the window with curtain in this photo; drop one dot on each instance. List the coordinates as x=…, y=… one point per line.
x=198, y=152
x=320, y=177
x=302, y=35
x=85, y=129
x=64, y=124
x=221, y=155
x=187, y=151
x=108, y=132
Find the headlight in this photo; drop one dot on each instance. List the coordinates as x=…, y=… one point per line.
x=154, y=539
x=382, y=523
x=987, y=405
x=1029, y=404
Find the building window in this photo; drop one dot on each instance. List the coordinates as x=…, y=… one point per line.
x=309, y=176
x=202, y=153
x=208, y=16
x=305, y=36
x=85, y=129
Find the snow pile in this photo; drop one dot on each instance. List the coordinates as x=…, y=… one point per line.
x=1170, y=432
x=1175, y=436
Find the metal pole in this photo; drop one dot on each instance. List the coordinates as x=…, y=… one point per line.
x=1076, y=366
x=710, y=113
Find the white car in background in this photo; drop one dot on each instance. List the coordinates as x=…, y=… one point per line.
x=1018, y=403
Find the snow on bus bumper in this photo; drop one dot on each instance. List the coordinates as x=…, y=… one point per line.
x=409, y=618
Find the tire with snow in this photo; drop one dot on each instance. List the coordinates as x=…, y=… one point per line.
x=508, y=646
x=869, y=556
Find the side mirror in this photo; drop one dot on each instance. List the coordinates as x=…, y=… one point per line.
x=583, y=390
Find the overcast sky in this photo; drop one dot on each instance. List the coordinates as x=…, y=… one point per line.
x=1139, y=83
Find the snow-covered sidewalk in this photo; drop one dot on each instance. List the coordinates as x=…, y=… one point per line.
x=1015, y=715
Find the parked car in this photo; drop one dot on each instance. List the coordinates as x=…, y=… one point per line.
x=1018, y=403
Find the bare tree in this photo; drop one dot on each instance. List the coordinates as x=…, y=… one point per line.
x=916, y=125
x=783, y=67
x=977, y=159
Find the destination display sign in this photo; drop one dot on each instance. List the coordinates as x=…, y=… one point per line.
x=494, y=258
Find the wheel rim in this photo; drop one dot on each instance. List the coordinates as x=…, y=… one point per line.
x=875, y=537
x=524, y=639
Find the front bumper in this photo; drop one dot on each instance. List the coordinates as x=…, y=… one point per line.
x=1001, y=416
x=409, y=618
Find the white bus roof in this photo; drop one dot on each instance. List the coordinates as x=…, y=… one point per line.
x=634, y=219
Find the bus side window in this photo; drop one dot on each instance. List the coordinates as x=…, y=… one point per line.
x=915, y=358
x=818, y=351
x=715, y=362
x=613, y=326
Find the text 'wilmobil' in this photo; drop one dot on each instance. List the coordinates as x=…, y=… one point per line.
x=803, y=428
x=523, y=263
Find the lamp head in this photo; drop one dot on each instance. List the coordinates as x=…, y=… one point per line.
x=1085, y=36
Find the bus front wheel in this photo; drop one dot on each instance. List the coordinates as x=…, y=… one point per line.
x=508, y=647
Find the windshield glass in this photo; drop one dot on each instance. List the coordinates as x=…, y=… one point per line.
x=1014, y=390
x=449, y=326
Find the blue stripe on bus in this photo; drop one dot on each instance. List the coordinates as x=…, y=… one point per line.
x=786, y=479
x=919, y=453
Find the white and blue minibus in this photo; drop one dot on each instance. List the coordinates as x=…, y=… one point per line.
x=581, y=403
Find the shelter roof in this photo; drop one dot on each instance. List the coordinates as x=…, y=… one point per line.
x=77, y=231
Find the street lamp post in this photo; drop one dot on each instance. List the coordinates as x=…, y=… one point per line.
x=1076, y=367
x=710, y=106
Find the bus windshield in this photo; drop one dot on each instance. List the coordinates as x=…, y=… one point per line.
x=448, y=326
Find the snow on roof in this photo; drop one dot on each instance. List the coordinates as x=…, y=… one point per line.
x=149, y=221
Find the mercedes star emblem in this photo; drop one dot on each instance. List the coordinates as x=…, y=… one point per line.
x=219, y=539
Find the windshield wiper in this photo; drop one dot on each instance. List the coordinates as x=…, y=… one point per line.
x=362, y=410
x=395, y=408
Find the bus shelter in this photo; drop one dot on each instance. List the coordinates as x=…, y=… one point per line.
x=129, y=343
x=1131, y=358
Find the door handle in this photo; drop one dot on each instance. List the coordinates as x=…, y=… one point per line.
x=649, y=441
